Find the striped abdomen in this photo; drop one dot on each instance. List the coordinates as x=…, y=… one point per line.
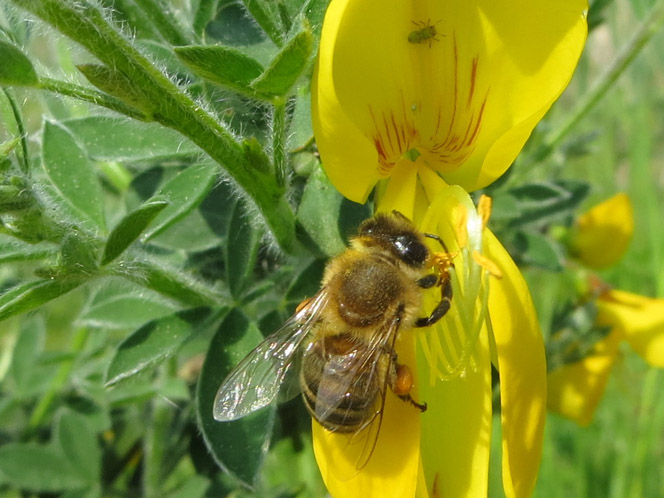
x=340, y=385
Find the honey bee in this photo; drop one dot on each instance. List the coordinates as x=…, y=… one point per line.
x=340, y=344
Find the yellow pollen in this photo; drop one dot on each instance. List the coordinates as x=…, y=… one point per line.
x=488, y=265
x=443, y=260
x=484, y=209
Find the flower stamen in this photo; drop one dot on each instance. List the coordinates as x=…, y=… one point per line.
x=488, y=265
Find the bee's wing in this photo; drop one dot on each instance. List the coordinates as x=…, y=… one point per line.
x=359, y=376
x=256, y=380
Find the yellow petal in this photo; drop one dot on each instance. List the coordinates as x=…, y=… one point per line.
x=456, y=428
x=522, y=367
x=639, y=318
x=401, y=191
x=392, y=470
x=463, y=83
x=576, y=389
x=454, y=361
x=601, y=235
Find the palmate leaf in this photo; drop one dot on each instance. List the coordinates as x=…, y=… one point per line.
x=286, y=67
x=108, y=138
x=221, y=65
x=75, y=183
x=153, y=343
x=130, y=227
x=30, y=295
x=240, y=446
x=16, y=68
x=538, y=203
x=117, y=304
x=327, y=216
x=242, y=242
x=184, y=193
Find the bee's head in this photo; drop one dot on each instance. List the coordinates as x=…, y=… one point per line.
x=395, y=233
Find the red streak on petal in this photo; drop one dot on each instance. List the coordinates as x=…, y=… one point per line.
x=479, y=121
x=473, y=76
x=396, y=130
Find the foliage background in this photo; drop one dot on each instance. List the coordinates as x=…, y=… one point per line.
x=203, y=277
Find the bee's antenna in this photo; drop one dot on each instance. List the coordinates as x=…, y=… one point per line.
x=440, y=241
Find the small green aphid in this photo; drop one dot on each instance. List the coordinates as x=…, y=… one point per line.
x=425, y=32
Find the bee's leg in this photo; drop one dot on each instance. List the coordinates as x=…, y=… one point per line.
x=428, y=281
x=441, y=308
x=401, y=383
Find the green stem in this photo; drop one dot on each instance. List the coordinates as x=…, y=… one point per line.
x=25, y=161
x=606, y=80
x=170, y=106
x=46, y=402
x=92, y=96
x=163, y=19
x=279, y=140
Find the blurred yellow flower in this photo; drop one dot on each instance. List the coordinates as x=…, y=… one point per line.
x=601, y=236
x=445, y=450
x=454, y=88
x=576, y=389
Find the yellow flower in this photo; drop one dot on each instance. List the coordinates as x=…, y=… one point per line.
x=445, y=450
x=452, y=87
x=576, y=389
x=601, y=236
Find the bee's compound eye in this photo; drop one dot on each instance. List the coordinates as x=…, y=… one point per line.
x=367, y=228
x=411, y=250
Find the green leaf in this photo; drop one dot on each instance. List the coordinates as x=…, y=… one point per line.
x=307, y=282
x=16, y=68
x=117, y=139
x=314, y=11
x=72, y=175
x=37, y=468
x=92, y=492
x=222, y=65
x=242, y=244
x=79, y=444
x=194, y=487
x=328, y=218
x=12, y=249
x=27, y=296
x=541, y=202
x=115, y=83
x=239, y=447
x=172, y=282
x=184, y=192
x=28, y=347
x=192, y=234
x=260, y=10
x=120, y=305
x=153, y=343
x=129, y=228
x=165, y=20
x=130, y=393
x=287, y=66
x=79, y=253
x=538, y=250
